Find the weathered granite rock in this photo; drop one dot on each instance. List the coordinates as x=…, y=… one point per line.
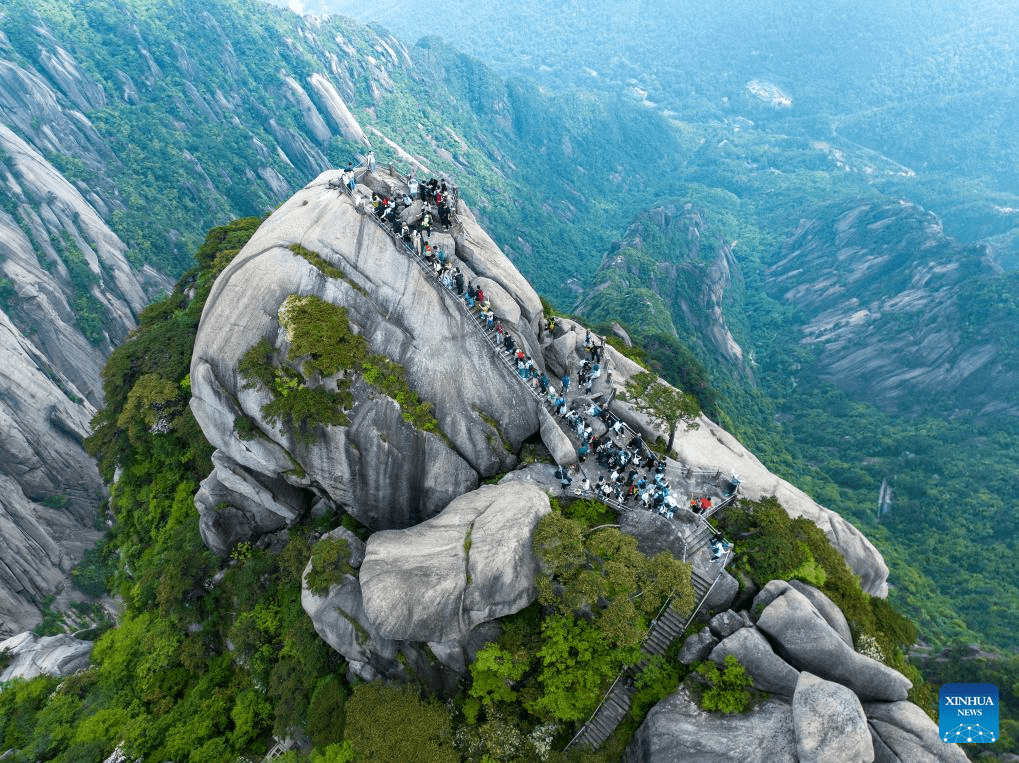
x=556, y=440
x=238, y=505
x=697, y=647
x=654, y=533
x=711, y=447
x=470, y=564
x=769, y=672
x=676, y=731
x=458, y=654
x=47, y=655
x=903, y=733
x=380, y=468
x=722, y=594
x=538, y=475
x=477, y=249
x=829, y=723
x=885, y=278
x=338, y=617
x=826, y=607
x=335, y=109
x=560, y=353
x=804, y=639
x=725, y=623
x=50, y=489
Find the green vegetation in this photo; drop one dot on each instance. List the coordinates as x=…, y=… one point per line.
x=330, y=270
x=323, y=344
x=330, y=562
x=165, y=682
x=394, y=725
x=662, y=403
x=772, y=546
x=94, y=570
x=555, y=659
x=316, y=259
x=722, y=690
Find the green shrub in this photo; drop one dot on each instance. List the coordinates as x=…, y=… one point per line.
x=723, y=690
x=323, y=342
x=245, y=427
x=394, y=725
x=330, y=561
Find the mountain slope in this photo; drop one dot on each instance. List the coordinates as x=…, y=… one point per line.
x=127, y=131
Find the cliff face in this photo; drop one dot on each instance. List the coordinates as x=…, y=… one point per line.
x=385, y=471
x=68, y=296
x=902, y=316
x=670, y=273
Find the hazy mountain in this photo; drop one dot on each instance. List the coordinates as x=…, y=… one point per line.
x=927, y=85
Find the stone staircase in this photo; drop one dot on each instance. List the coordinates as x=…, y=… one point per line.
x=668, y=625
x=666, y=628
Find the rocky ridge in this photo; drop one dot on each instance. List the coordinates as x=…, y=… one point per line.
x=58, y=262
x=485, y=416
x=385, y=472
x=827, y=701
x=444, y=559
x=892, y=305
x=681, y=294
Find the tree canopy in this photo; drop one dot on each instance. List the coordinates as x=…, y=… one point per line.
x=665, y=405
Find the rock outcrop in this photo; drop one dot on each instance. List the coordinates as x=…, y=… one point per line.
x=902, y=732
x=54, y=250
x=677, y=730
x=769, y=672
x=711, y=448
x=32, y=656
x=829, y=723
x=804, y=639
x=470, y=564
x=384, y=471
x=815, y=715
x=890, y=301
x=423, y=600
x=809, y=719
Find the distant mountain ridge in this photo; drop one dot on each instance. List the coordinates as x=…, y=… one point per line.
x=126, y=135
x=904, y=317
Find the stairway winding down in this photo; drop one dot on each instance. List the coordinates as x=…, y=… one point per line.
x=668, y=625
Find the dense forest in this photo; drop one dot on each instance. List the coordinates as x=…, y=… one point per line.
x=211, y=657
x=562, y=157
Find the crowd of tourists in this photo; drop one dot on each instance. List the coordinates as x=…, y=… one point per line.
x=628, y=472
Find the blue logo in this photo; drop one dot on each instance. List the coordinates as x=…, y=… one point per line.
x=968, y=713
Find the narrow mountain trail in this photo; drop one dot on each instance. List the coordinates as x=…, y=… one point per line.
x=669, y=624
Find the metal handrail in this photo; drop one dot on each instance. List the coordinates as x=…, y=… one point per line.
x=647, y=635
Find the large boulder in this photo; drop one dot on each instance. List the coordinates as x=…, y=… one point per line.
x=768, y=671
x=381, y=468
x=697, y=646
x=470, y=564
x=339, y=619
x=723, y=592
x=237, y=505
x=677, y=731
x=33, y=656
x=903, y=733
x=804, y=639
x=724, y=624
x=829, y=722
x=556, y=440
x=828, y=609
